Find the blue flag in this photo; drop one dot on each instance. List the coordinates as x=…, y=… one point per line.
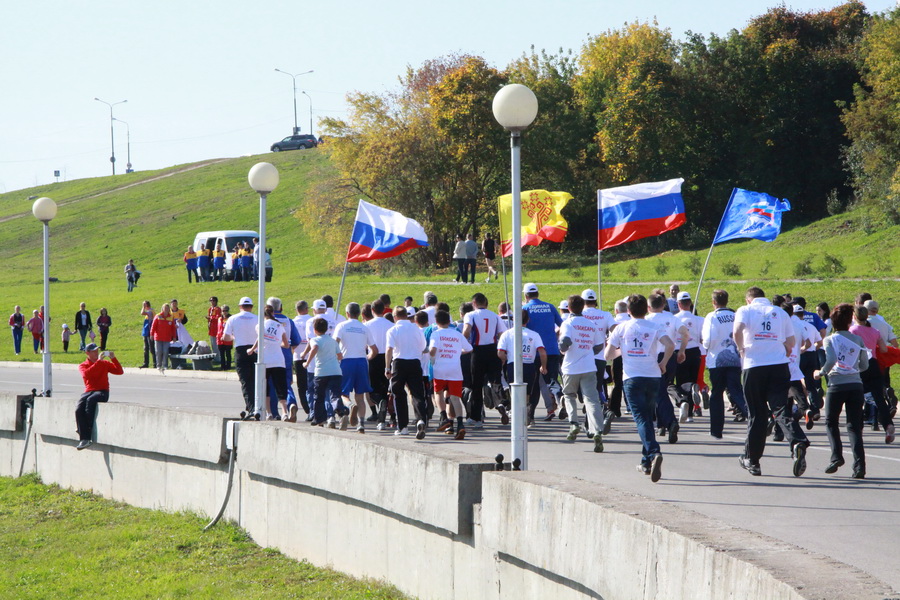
x=751, y=215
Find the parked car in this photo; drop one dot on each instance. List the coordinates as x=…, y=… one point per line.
x=228, y=239
x=295, y=142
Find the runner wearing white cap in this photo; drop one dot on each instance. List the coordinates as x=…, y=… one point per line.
x=604, y=322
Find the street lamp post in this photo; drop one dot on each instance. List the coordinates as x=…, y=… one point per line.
x=263, y=178
x=112, y=137
x=310, y=112
x=128, y=168
x=515, y=107
x=44, y=210
x=294, y=77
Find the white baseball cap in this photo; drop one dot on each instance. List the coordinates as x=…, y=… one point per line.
x=245, y=301
x=530, y=288
x=319, y=304
x=589, y=294
x=564, y=305
x=683, y=296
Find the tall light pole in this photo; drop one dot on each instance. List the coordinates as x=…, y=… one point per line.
x=515, y=107
x=44, y=210
x=294, y=77
x=310, y=112
x=263, y=178
x=128, y=168
x=112, y=137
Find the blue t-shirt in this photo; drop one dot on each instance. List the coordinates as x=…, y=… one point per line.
x=816, y=320
x=543, y=319
x=293, y=338
x=326, y=356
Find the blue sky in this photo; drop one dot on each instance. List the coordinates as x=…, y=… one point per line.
x=199, y=75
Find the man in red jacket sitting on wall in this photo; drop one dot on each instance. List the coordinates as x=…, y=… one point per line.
x=95, y=371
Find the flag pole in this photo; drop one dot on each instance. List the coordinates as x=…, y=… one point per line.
x=599, y=259
x=337, y=307
x=713, y=245
x=341, y=292
x=502, y=257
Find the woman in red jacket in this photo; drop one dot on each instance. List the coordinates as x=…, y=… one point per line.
x=164, y=332
x=223, y=346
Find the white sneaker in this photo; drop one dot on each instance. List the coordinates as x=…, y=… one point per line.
x=345, y=420
x=689, y=420
x=470, y=423
x=332, y=424
x=360, y=429
x=380, y=427
x=477, y=425
x=403, y=431
x=420, y=430
x=683, y=412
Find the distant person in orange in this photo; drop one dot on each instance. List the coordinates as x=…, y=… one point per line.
x=95, y=372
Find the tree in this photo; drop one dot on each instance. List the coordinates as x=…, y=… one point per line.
x=873, y=122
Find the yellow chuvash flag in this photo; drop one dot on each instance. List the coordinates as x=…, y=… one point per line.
x=541, y=218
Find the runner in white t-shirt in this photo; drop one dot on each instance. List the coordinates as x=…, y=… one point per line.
x=764, y=337
x=604, y=322
x=678, y=333
x=304, y=382
x=724, y=364
x=446, y=347
x=484, y=327
x=579, y=341
x=643, y=364
x=532, y=348
x=274, y=338
x=355, y=340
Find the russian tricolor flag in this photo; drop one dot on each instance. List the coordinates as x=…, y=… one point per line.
x=381, y=233
x=632, y=212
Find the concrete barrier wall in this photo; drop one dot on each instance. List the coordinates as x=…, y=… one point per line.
x=435, y=523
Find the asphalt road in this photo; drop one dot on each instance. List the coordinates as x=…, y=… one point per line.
x=853, y=521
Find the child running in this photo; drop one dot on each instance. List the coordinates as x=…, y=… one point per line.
x=446, y=348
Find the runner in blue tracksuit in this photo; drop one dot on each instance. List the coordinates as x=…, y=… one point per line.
x=294, y=340
x=543, y=319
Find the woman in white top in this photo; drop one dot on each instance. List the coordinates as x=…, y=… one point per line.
x=274, y=339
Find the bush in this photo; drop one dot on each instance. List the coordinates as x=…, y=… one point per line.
x=833, y=265
x=632, y=269
x=803, y=268
x=731, y=269
x=693, y=265
x=661, y=267
x=833, y=203
x=883, y=267
x=575, y=272
x=764, y=270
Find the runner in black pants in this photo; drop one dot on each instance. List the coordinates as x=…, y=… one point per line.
x=483, y=327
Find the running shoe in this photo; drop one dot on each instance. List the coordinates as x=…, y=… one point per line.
x=420, y=430
x=504, y=415
x=834, y=466
x=752, y=467
x=889, y=434
x=799, y=455
x=574, y=430
x=656, y=468
x=673, y=432
x=809, y=420
x=598, y=443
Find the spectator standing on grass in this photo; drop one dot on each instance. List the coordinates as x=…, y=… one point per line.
x=104, y=322
x=164, y=332
x=95, y=372
x=149, y=346
x=66, y=336
x=255, y=253
x=471, y=257
x=236, y=263
x=218, y=263
x=36, y=326
x=131, y=274
x=17, y=324
x=83, y=324
x=459, y=255
x=204, y=262
x=223, y=345
x=213, y=316
x=845, y=359
x=190, y=262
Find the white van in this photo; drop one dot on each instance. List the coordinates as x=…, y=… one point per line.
x=228, y=239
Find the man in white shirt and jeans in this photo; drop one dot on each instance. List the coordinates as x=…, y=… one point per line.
x=643, y=364
x=764, y=337
x=579, y=341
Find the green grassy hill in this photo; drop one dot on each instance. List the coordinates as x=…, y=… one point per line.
x=153, y=216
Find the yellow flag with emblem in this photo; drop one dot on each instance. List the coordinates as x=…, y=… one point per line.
x=542, y=218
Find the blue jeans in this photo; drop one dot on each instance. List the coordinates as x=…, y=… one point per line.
x=17, y=338
x=641, y=394
x=328, y=395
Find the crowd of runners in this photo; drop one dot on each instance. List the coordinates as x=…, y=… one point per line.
x=770, y=362
x=767, y=359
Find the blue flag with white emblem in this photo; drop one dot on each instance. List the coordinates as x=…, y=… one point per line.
x=751, y=215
